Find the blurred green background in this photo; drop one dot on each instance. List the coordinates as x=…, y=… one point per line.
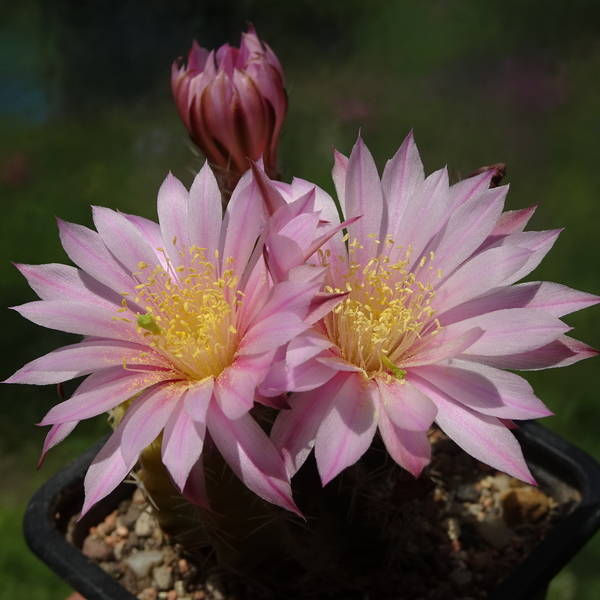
x=86, y=118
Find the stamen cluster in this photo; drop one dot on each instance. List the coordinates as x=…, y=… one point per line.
x=386, y=310
x=191, y=314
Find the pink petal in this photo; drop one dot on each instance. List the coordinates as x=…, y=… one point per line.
x=197, y=399
x=485, y=271
x=282, y=378
x=410, y=449
x=363, y=197
x=539, y=242
x=123, y=239
x=466, y=229
x=146, y=418
x=446, y=344
x=241, y=224
x=173, y=218
x=61, y=282
x=513, y=221
x=465, y=190
x=422, y=216
x=348, y=427
x=195, y=487
x=56, y=435
x=401, y=177
x=204, y=212
x=80, y=359
x=80, y=318
x=101, y=392
x=106, y=472
x=510, y=331
x=406, y=406
x=87, y=250
x=554, y=298
x=483, y=437
x=251, y=456
x=234, y=391
x=484, y=389
x=294, y=431
x=560, y=353
x=181, y=444
x=340, y=168
x=271, y=332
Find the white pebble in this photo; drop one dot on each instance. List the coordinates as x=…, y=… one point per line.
x=141, y=562
x=145, y=525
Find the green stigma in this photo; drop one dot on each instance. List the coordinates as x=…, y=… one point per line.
x=399, y=373
x=147, y=322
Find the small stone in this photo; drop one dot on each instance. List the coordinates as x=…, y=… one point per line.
x=461, y=578
x=129, y=518
x=163, y=595
x=466, y=493
x=524, y=505
x=215, y=587
x=495, y=531
x=183, y=566
x=171, y=595
x=180, y=588
x=107, y=525
x=141, y=562
x=97, y=549
x=145, y=525
x=502, y=481
x=162, y=577
x=138, y=497
x=148, y=594
x=122, y=531
x=118, y=550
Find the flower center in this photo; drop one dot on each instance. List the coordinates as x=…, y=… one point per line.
x=386, y=311
x=191, y=314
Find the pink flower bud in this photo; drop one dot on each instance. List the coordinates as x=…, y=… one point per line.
x=233, y=103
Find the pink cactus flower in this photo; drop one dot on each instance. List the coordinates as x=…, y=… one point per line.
x=182, y=319
x=233, y=103
x=431, y=319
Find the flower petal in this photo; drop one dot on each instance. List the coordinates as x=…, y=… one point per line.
x=87, y=250
x=485, y=389
x=146, y=418
x=251, y=456
x=294, y=431
x=181, y=444
x=410, y=449
x=80, y=318
x=204, y=211
x=81, y=359
x=348, y=427
x=173, y=217
x=510, y=331
x=482, y=436
x=106, y=472
x=101, y=392
x=406, y=406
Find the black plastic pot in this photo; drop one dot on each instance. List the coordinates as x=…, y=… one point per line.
x=568, y=472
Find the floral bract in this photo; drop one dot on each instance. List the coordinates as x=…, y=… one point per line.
x=183, y=320
x=430, y=320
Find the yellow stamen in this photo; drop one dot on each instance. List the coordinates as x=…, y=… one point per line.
x=386, y=311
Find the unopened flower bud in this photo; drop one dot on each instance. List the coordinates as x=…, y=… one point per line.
x=233, y=103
